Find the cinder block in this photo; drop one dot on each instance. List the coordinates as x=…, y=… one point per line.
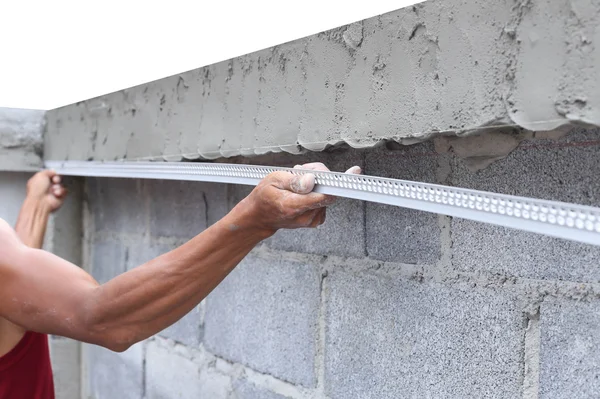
x=216, y=201
x=188, y=330
x=264, y=315
x=66, y=367
x=109, y=260
x=244, y=389
x=115, y=375
x=569, y=349
x=118, y=205
x=144, y=250
x=399, y=234
x=177, y=208
x=566, y=170
x=342, y=233
x=389, y=338
x=171, y=374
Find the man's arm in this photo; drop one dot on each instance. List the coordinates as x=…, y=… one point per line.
x=62, y=299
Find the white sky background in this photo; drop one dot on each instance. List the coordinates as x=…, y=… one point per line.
x=57, y=52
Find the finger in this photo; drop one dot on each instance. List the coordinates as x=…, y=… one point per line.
x=57, y=190
x=307, y=219
x=312, y=201
x=355, y=170
x=323, y=215
x=319, y=217
x=56, y=179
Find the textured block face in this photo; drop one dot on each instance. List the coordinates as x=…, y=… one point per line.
x=399, y=234
x=569, y=349
x=342, y=233
x=66, y=367
x=246, y=390
x=109, y=260
x=12, y=191
x=118, y=205
x=264, y=315
x=188, y=330
x=177, y=208
x=387, y=338
x=170, y=375
x=567, y=171
x=113, y=375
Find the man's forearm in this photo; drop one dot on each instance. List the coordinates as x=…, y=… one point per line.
x=149, y=298
x=32, y=222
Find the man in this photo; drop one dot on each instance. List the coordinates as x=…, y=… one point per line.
x=43, y=294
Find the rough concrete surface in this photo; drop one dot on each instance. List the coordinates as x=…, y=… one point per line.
x=188, y=330
x=109, y=259
x=177, y=209
x=264, y=314
x=66, y=367
x=441, y=65
x=569, y=349
x=564, y=170
x=118, y=205
x=395, y=338
x=401, y=234
x=21, y=139
x=112, y=374
x=170, y=375
x=12, y=194
x=244, y=389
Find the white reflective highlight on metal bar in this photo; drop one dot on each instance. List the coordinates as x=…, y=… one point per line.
x=557, y=219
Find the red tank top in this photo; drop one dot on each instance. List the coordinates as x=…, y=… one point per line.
x=25, y=371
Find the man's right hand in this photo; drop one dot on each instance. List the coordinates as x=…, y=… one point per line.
x=283, y=200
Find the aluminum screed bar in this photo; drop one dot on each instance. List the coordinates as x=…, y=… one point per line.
x=556, y=219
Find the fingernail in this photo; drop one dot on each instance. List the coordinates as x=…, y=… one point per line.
x=297, y=167
x=355, y=170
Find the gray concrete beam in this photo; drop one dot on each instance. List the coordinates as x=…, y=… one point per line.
x=438, y=66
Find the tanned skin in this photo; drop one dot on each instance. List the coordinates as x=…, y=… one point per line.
x=44, y=293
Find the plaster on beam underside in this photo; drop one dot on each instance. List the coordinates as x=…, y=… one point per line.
x=21, y=139
x=440, y=68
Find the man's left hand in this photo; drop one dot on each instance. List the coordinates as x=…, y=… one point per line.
x=46, y=187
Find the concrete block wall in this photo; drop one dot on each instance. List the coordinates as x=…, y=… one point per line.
x=380, y=302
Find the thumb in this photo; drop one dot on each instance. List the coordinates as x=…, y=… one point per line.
x=299, y=184
x=302, y=184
